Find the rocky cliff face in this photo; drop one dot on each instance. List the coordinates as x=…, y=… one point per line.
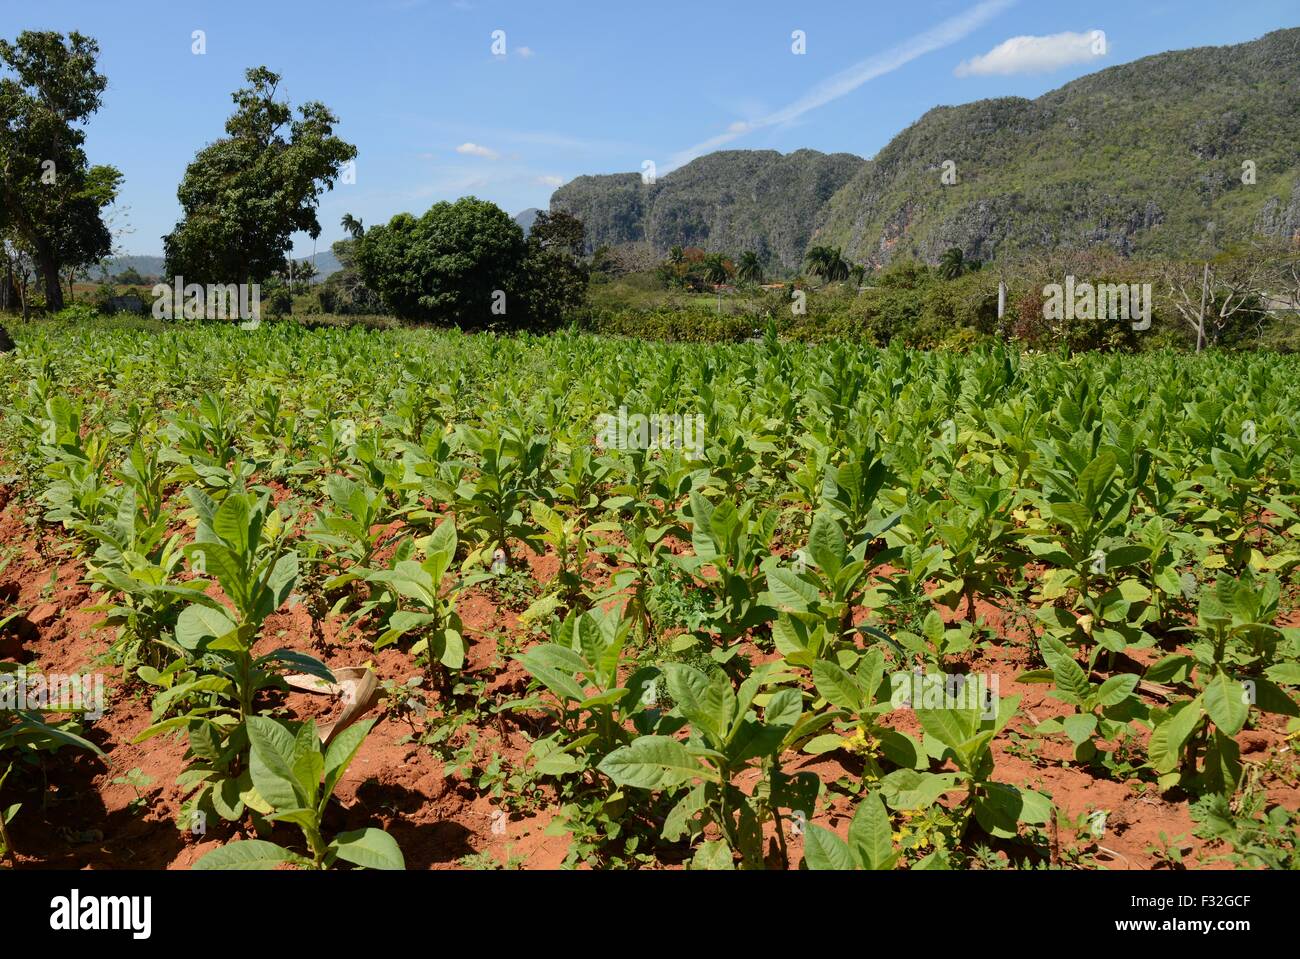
x=730, y=201
x=1150, y=157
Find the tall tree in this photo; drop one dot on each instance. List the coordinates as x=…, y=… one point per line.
x=553, y=276
x=50, y=197
x=297, y=274
x=750, y=268
x=717, y=270
x=246, y=194
x=353, y=226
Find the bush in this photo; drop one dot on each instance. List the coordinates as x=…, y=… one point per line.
x=279, y=302
x=672, y=325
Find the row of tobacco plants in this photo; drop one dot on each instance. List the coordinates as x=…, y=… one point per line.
x=722, y=615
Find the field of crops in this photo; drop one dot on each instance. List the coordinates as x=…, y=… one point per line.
x=892, y=610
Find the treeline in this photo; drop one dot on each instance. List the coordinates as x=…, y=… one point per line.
x=1242, y=299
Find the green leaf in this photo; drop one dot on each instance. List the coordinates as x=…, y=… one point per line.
x=837, y=686
x=1071, y=681
x=246, y=854
x=784, y=708
x=1116, y=689
x=823, y=850
x=1225, y=701
x=369, y=848
x=653, y=762
x=1171, y=732
x=826, y=544
x=789, y=589
x=272, y=757
x=871, y=834
x=952, y=727
x=198, y=625
x=828, y=742
x=1080, y=727
x=231, y=522
x=1271, y=698
x=906, y=789
x=714, y=855
x=707, y=702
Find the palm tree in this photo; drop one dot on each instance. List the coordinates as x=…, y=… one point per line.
x=353, y=226
x=857, y=272
x=675, y=254
x=952, y=264
x=750, y=269
x=816, y=260
x=716, y=268
x=716, y=271
x=827, y=262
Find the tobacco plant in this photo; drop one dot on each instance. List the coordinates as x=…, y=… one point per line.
x=293, y=781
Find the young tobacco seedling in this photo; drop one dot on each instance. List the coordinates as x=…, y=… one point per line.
x=816, y=605
x=243, y=543
x=727, y=738
x=732, y=543
x=509, y=475
x=1231, y=667
x=422, y=584
x=862, y=697
x=344, y=528
x=294, y=781
x=1104, y=709
x=965, y=737
x=580, y=667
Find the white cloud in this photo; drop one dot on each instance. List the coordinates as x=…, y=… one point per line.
x=1035, y=54
x=547, y=180
x=846, y=81
x=475, y=150
x=524, y=52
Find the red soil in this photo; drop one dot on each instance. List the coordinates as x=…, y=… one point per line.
x=86, y=820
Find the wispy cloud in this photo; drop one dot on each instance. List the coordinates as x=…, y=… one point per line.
x=846, y=81
x=549, y=180
x=475, y=150
x=1035, y=54
x=524, y=52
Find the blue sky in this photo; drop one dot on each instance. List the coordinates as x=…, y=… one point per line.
x=584, y=87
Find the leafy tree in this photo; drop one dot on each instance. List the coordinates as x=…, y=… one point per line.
x=344, y=291
x=447, y=265
x=50, y=197
x=750, y=268
x=554, y=276
x=244, y=195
